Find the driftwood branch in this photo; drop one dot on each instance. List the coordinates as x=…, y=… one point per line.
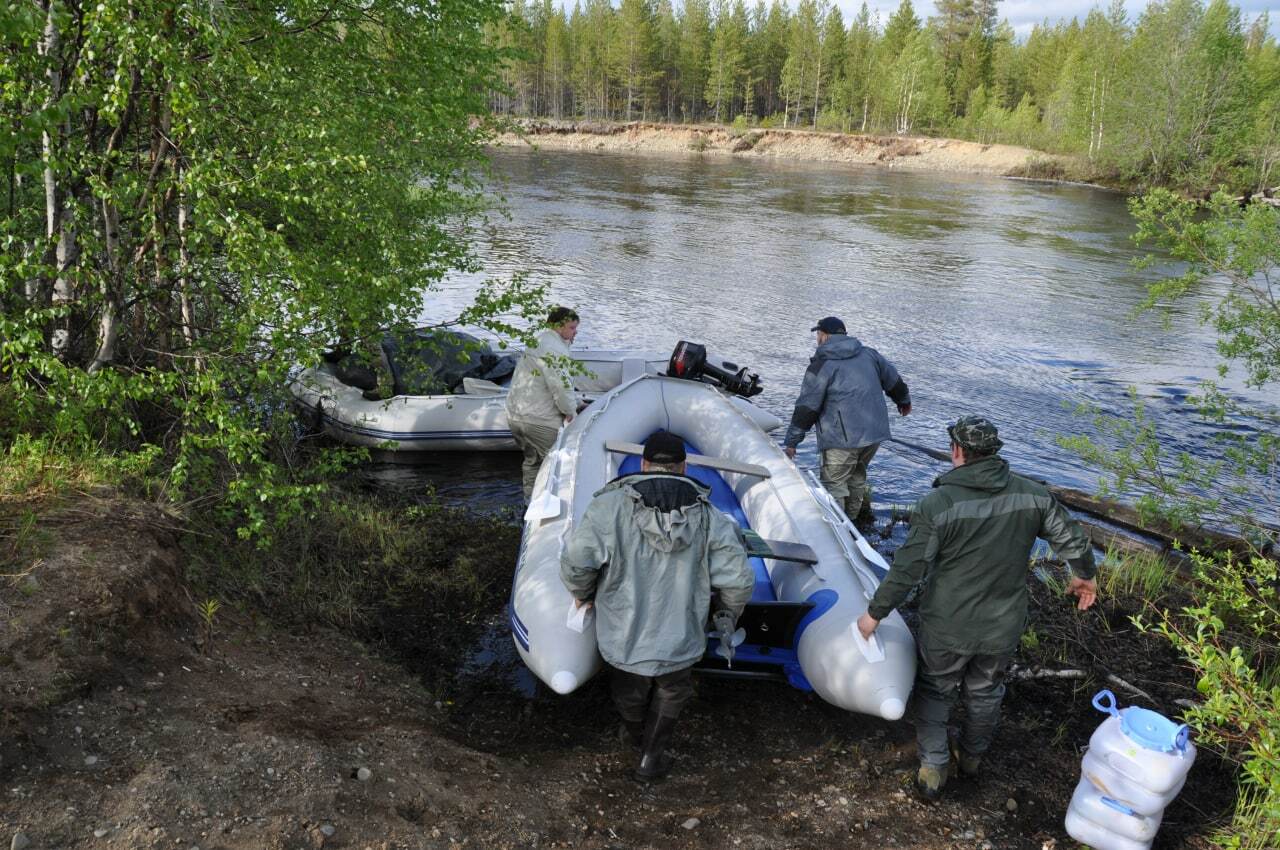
x=1023, y=673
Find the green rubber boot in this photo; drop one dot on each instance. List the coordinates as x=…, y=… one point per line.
x=930, y=780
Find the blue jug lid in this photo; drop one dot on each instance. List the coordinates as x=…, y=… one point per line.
x=1152, y=730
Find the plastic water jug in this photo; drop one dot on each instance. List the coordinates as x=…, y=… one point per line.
x=1136, y=763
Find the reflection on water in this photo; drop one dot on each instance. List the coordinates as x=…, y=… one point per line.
x=485, y=481
x=1009, y=298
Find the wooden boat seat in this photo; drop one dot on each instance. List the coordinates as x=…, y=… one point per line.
x=777, y=550
x=721, y=464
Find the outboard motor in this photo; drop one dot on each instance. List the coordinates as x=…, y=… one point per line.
x=689, y=361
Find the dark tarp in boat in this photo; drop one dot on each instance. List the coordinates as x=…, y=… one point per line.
x=426, y=362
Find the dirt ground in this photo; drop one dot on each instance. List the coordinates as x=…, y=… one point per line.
x=125, y=723
x=897, y=152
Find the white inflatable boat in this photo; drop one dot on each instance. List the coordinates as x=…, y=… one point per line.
x=472, y=418
x=814, y=575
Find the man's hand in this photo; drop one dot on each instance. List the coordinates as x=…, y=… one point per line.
x=790, y=451
x=581, y=603
x=867, y=626
x=1085, y=589
x=904, y=410
x=568, y=419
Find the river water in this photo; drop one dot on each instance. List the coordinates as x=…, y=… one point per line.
x=1007, y=298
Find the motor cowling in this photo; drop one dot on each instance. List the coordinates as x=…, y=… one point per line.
x=689, y=360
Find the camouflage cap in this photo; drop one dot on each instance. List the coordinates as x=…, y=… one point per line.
x=975, y=433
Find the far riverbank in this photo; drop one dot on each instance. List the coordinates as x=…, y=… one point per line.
x=909, y=153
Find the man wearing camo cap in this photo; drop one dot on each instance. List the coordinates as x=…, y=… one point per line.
x=970, y=542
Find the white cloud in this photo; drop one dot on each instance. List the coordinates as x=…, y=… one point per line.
x=1024, y=14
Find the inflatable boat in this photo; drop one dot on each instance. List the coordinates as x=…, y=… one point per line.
x=451, y=394
x=814, y=572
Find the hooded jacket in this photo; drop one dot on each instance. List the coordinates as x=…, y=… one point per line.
x=540, y=392
x=649, y=550
x=970, y=541
x=841, y=395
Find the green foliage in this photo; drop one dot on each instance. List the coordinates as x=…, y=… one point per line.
x=208, y=611
x=231, y=189
x=1229, y=636
x=1225, y=240
x=1139, y=576
x=1137, y=466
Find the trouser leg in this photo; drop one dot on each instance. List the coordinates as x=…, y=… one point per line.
x=535, y=441
x=837, y=465
x=631, y=695
x=983, y=691
x=857, y=483
x=937, y=686
x=671, y=692
x=844, y=475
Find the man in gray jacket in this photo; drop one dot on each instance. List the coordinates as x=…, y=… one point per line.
x=841, y=396
x=648, y=552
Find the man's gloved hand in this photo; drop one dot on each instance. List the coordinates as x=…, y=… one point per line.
x=724, y=623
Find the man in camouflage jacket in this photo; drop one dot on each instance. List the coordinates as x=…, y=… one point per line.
x=970, y=543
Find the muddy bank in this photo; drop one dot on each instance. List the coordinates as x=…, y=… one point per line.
x=151, y=730
x=899, y=152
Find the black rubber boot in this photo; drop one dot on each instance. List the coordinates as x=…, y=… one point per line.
x=655, y=762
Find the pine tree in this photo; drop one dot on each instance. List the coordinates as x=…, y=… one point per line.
x=556, y=63
x=768, y=53
x=632, y=55
x=695, y=42
x=903, y=24
x=800, y=73
x=853, y=96
x=831, y=60
x=667, y=50
x=726, y=59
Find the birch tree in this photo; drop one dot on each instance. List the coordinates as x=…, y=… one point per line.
x=201, y=196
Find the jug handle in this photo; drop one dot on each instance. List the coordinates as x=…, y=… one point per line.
x=1119, y=807
x=1105, y=701
x=1181, y=738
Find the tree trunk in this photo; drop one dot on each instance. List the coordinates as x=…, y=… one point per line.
x=109, y=321
x=57, y=223
x=817, y=88
x=184, y=262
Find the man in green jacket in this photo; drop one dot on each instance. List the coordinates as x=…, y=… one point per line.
x=648, y=552
x=970, y=542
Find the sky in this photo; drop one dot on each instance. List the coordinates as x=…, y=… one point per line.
x=1023, y=14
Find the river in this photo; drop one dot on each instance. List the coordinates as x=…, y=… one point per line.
x=1008, y=298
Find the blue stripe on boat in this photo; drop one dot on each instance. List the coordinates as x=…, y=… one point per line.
x=518, y=628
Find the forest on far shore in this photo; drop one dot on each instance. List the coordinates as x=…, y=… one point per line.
x=1187, y=94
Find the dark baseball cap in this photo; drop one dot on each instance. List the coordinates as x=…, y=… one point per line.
x=975, y=433
x=829, y=325
x=665, y=448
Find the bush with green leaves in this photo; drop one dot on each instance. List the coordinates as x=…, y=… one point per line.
x=201, y=195
x=1231, y=632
